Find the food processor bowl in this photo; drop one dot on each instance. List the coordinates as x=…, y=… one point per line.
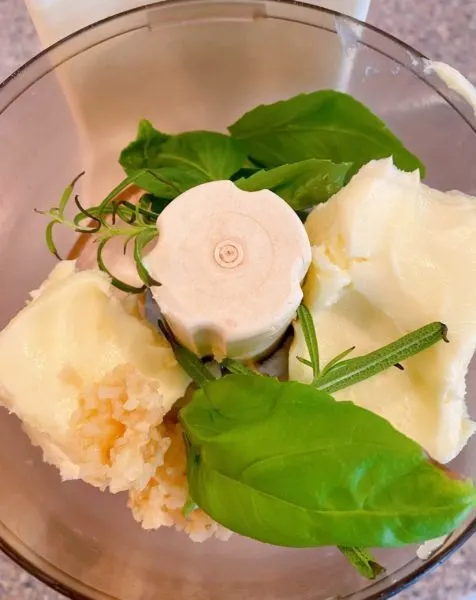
x=187, y=65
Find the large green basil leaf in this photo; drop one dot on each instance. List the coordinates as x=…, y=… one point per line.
x=176, y=163
x=302, y=185
x=326, y=125
x=284, y=463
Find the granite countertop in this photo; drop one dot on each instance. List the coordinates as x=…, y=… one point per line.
x=442, y=29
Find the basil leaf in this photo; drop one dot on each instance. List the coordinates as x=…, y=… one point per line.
x=176, y=163
x=302, y=185
x=286, y=464
x=326, y=125
x=142, y=152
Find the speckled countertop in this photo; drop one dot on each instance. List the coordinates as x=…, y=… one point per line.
x=442, y=29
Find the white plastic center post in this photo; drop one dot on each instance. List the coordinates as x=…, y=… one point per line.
x=231, y=265
x=228, y=254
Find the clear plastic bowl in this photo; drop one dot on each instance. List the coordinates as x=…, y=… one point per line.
x=187, y=65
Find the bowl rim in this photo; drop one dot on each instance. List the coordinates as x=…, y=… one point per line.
x=458, y=539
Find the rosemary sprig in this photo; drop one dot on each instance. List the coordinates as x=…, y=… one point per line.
x=339, y=374
x=112, y=218
x=309, y=332
x=349, y=372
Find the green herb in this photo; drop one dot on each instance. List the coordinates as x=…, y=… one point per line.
x=190, y=363
x=245, y=173
x=305, y=458
x=110, y=219
x=360, y=558
x=363, y=561
x=304, y=361
x=189, y=507
x=120, y=285
x=310, y=337
x=141, y=241
x=176, y=163
x=304, y=149
x=57, y=215
x=155, y=204
x=284, y=463
x=340, y=374
x=326, y=125
x=142, y=152
x=302, y=185
x=336, y=360
x=236, y=367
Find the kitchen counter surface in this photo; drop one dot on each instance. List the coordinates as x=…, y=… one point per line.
x=442, y=29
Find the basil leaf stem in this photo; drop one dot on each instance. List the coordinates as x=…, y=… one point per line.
x=363, y=561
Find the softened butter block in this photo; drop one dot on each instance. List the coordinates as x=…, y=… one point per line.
x=390, y=255
x=90, y=380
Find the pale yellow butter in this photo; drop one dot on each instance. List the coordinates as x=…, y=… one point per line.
x=90, y=380
x=391, y=255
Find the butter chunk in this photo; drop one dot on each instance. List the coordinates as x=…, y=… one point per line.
x=390, y=255
x=90, y=380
